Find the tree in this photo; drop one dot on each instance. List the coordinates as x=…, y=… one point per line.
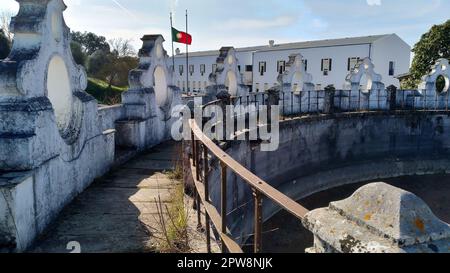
x=90, y=42
x=78, y=54
x=110, y=67
x=122, y=47
x=5, y=46
x=5, y=21
x=433, y=45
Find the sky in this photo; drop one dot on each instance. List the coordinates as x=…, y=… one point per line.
x=239, y=23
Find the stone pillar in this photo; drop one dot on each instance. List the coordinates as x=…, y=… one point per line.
x=225, y=100
x=150, y=99
x=227, y=75
x=392, y=93
x=329, y=99
x=378, y=218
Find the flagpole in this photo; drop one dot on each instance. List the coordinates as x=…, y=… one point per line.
x=187, y=56
x=173, y=52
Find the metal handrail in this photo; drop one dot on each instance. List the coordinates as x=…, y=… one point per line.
x=203, y=147
x=260, y=189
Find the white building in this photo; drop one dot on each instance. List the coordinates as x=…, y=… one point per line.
x=328, y=61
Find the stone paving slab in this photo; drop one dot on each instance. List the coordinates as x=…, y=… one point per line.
x=117, y=213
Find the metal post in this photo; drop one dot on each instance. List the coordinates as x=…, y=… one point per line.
x=258, y=221
x=197, y=159
x=206, y=183
x=193, y=147
x=223, y=201
x=199, y=213
x=309, y=101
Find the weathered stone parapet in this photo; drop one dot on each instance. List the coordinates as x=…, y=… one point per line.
x=428, y=96
x=53, y=130
x=378, y=218
x=297, y=88
x=150, y=99
x=227, y=75
x=365, y=96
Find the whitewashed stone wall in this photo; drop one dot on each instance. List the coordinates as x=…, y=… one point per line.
x=54, y=140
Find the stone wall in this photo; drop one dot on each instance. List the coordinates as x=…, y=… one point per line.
x=54, y=138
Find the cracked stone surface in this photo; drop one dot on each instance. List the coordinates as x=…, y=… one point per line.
x=378, y=218
x=117, y=213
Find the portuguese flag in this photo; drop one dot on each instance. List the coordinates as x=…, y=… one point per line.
x=181, y=37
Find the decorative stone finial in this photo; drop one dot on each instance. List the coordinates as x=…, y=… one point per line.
x=227, y=73
x=441, y=68
x=378, y=218
x=151, y=78
x=295, y=78
x=40, y=36
x=365, y=67
x=41, y=89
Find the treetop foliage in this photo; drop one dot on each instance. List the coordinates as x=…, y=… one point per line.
x=433, y=45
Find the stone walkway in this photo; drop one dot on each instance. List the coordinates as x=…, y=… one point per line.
x=118, y=213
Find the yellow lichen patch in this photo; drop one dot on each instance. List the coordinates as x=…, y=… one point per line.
x=420, y=224
x=368, y=217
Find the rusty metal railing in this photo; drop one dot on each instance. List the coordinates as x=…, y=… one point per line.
x=292, y=104
x=202, y=148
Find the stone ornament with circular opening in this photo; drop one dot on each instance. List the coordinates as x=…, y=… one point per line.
x=59, y=91
x=295, y=78
x=364, y=78
x=227, y=75
x=439, y=71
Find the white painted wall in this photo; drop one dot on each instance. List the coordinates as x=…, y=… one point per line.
x=197, y=79
x=314, y=56
x=390, y=48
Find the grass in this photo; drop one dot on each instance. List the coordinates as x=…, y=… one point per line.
x=173, y=220
x=103, y=93
x=173, y=217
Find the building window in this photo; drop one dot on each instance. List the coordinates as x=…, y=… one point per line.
x=180, y=69
x=391, y=68
x=326, y=66
x=281, y=67
x=257, y=87
x=262, y=68
x=191, y=69
x=239, y=68
x=214, y=68
x=305, y=63
x=249, y=68
x=351, y=63
x=202, y=69
x=184, y=86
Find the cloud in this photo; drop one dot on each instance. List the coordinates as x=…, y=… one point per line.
x=127, y=11
x=374, y=2
x=249, y=24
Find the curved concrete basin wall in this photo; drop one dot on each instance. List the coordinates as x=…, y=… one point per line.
x=323, y=152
